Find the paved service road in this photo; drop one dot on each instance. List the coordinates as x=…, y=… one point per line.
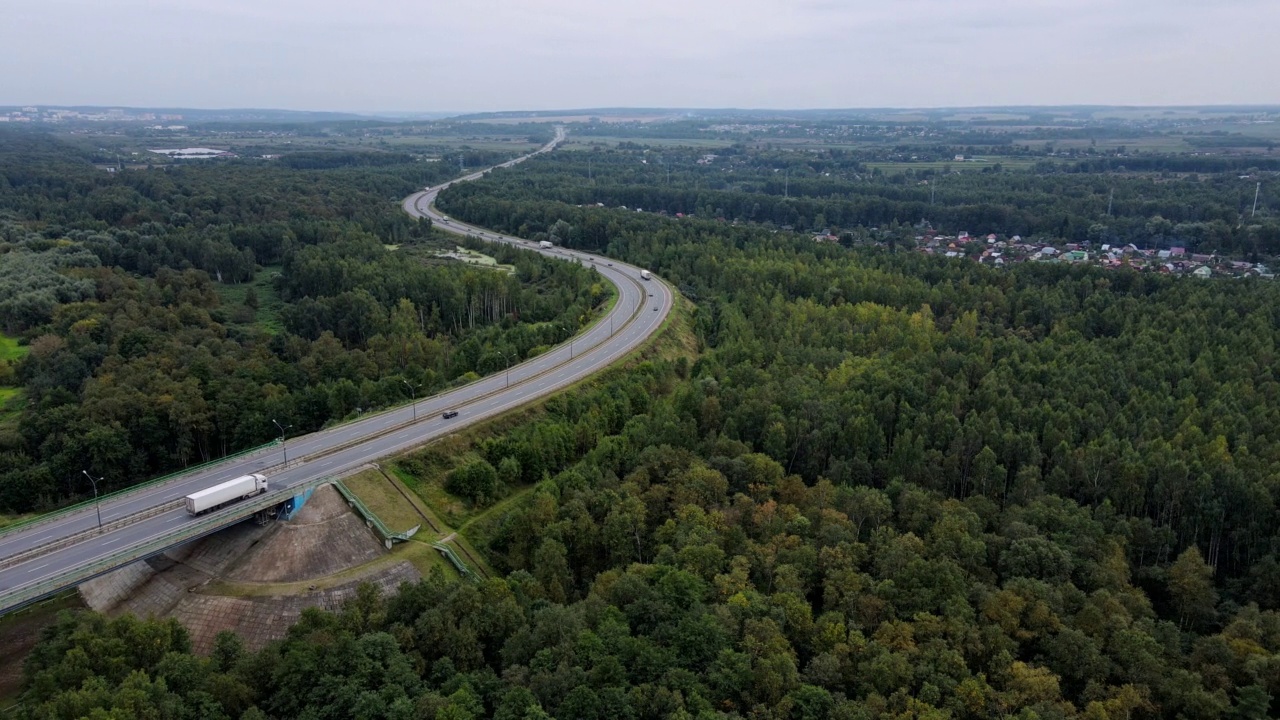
x=339, y=449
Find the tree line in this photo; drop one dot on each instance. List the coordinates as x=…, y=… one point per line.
x=1209, y=212
x=138, y=363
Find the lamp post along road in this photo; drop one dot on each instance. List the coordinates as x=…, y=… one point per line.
x=413, y=399
x=283, y=446
x=97, y=508
x=571, y=339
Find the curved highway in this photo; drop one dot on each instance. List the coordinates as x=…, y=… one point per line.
x=641, y=307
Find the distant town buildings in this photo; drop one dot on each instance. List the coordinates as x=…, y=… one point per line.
x=998, y=251
x=32, y=114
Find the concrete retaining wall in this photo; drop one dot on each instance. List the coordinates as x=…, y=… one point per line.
x=106, y=591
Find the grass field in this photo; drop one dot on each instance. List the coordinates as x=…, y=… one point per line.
x=12, y=401
x=379, y=495
x=586, y=142
x=1158, y=143
x=441, y=458
x=472, y=257
x=269, y=303
x=400, y=509
x=10, y=349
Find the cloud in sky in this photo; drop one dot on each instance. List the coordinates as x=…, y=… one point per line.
x=475, y=55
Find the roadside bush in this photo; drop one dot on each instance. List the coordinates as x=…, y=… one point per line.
x=476, y=481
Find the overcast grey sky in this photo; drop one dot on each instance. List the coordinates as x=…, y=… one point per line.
x=472, y=55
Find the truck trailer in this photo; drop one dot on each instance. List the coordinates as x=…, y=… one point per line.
x=545, y=244
x=644, y=275
x=212, y=498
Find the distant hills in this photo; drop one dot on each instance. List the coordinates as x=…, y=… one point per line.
x=266, y=115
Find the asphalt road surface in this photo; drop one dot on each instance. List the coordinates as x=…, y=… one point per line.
x=639, y=311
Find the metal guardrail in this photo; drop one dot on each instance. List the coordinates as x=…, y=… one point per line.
x=60, y=512
x=370, y=516
x=210, y=524
x=363, y=509
x=107, y=527
x=386, y=532
x=452, y=557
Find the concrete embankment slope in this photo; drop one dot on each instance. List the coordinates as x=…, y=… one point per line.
x=254, y=580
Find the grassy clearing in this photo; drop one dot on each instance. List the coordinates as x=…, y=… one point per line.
x=436, y=462
x=472, y=257
x=11, y=350
x=1158, y=143
x=267, y=316
x=586, y=142
x=12, y=401
x=400, y=510
x=380, y=495
x=425, y=558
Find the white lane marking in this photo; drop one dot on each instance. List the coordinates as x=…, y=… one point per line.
x=39, y=567
x=109, y=542
x=176, y=519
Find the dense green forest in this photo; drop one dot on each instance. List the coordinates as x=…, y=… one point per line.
x=1200, y=203
x=888, y=485
x=141, y=363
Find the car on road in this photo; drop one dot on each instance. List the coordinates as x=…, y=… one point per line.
x=454, y=413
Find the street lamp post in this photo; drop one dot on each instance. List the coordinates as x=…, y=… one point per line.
x=508, y=359
x=283, y=447
x=413, y=399
x=571, y=339
x=97, y=508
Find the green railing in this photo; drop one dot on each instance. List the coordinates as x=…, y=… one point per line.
x=55, y=514
x=364, y=510
x=386, y=532
x=452, y=557
x=369, y=515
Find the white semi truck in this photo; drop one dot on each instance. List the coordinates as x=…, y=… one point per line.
x=644, y=275
x=202, y=501
x=545, y=244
